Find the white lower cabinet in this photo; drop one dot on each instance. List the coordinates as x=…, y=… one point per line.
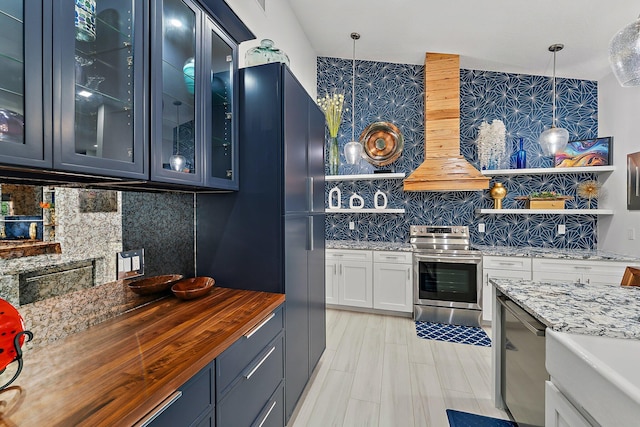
x=579, y=271
x=369, y=279
x=349, y=277
x=392, y=281
x=499, y=267
x=558, y=410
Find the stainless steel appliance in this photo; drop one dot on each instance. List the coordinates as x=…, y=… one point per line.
x=447, y=275
x=523, y=370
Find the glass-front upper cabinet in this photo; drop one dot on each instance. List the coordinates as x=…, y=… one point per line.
x=99, y=91
x=193, y=98
x=176, y=77
x=221, y=125
x=22, y=105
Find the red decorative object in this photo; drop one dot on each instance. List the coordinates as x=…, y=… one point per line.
x=10, y=325
x=12, y=336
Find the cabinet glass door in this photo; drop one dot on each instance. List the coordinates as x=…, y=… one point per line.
x=221, y=164
x=21, y=85
x=176, y=151
x=100, y=61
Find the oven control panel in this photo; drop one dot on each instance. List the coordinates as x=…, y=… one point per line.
x=429, y=230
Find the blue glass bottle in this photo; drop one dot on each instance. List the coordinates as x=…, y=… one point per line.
x=521, y=156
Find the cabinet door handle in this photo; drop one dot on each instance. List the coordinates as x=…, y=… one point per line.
x=264, y=359
x=161, y=408
x=408, y=274
x=273, y=405
x=310, y=234
x=260, y=325
x=335, y=269
x=341, y=269
x=310, y=193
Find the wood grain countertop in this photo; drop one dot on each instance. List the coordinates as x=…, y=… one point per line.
x=114, y=373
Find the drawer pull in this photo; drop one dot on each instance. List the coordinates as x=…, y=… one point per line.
x=506, y=263
x=257, y=328
x=273, y=405
x=579, y=267
x=161, y=408
x=264, y=359
x=391, y=257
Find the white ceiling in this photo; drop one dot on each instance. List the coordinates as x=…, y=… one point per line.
x=500, y=35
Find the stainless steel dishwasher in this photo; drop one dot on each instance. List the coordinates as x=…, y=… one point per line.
x=523, y=370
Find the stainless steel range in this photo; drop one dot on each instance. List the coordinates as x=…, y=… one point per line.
x=447, y=275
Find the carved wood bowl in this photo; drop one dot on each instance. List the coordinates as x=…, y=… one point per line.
x=153, y=285
x=194, y=287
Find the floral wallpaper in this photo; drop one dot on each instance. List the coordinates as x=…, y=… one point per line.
x=395, y=93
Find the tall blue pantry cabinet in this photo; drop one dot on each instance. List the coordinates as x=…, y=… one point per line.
x=269, y=236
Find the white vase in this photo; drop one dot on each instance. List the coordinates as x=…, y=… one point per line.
x=356, y=201
x=376, y=200
x=335, y=195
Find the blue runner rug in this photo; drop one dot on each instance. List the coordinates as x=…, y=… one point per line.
x=465, y=419
x=453, y=333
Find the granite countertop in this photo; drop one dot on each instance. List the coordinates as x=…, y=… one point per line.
x=611, y=311
x=367, y=245
x=553, y=253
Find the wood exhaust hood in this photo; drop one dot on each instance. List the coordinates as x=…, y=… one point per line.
x=443, y=169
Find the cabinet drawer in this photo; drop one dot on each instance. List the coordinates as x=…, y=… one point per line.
x=393, y=257
x=506, y=263
x=581, y=266
x=348, y=255
x=196, y=399
x=235, y=359
x=246, y=400
x=272, y=414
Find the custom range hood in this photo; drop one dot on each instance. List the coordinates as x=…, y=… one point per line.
x=443, y=169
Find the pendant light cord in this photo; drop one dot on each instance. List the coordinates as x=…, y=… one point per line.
x=354, y=36
x=553, y=112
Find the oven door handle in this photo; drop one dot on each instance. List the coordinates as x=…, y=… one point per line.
x=467, y=259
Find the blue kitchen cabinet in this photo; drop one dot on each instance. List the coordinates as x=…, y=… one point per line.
x=25, y=84
x=121, y=90
x=193, y=103
x=99, y=91
x=194, y=406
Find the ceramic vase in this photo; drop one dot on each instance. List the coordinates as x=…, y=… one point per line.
x=498, y=192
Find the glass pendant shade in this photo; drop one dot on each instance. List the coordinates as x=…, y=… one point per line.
x=553, y=140
x=177, y=162
x=624, y=54
x=353, y=152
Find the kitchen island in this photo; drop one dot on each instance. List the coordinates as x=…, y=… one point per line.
x=592, y=333
x=118, y=371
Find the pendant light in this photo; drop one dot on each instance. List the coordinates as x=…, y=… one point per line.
x=177, y=161
x=624, y=54
x=353, y=148
x=554, y=140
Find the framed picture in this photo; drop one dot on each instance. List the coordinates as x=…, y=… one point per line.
x=587, y=152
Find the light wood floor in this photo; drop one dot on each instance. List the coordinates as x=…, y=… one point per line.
x=377, y=372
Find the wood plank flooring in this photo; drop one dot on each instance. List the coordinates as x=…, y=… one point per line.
x=377, y=372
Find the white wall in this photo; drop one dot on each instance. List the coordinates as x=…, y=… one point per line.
x=278, y=23
x=618, y=116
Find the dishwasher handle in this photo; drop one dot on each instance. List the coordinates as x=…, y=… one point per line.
x=529, y=322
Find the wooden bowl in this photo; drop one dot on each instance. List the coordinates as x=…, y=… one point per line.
x=194, y=287
x=153, y=285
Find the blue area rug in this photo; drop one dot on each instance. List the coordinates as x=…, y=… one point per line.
x=453, y=333
x=465, y=419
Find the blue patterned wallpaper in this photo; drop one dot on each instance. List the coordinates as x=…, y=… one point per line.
x=395, y=93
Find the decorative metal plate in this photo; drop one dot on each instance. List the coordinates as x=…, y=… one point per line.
x=382, y=143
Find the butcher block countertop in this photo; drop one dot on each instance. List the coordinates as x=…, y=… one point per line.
x=116, y=372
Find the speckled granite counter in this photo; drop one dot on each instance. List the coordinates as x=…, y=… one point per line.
x=366, y=245
x=552, y=253
x=612, y=311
